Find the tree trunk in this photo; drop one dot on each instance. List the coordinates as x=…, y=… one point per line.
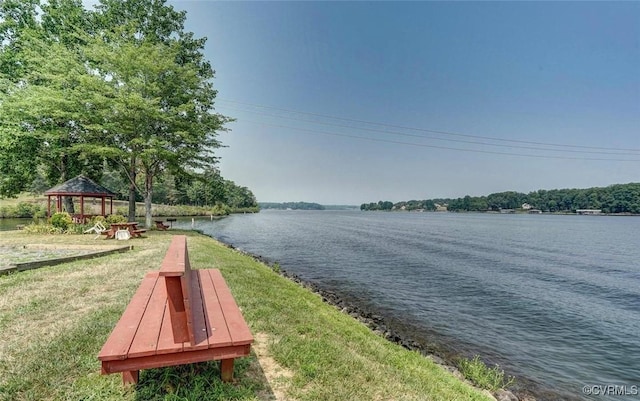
x=148, y=192
x=132, y=190
x=68, y=200
x=68, y=205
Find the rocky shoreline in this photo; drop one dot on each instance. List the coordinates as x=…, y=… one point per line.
x=380, y=326
x=384, y=329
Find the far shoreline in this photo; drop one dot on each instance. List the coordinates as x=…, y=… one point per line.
x=492, y=212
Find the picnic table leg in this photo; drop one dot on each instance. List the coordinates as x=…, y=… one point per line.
x=130, y=377
x=226, y=370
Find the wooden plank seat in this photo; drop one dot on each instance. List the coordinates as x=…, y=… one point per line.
x=138, y=232
x=177, y=316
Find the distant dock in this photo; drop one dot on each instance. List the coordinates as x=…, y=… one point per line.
x=588, y=211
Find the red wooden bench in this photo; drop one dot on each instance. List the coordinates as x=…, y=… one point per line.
x=177, y=316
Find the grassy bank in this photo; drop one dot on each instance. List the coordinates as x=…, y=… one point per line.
x=54, y=321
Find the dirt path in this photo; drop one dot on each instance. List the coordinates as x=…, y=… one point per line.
x=277, y=377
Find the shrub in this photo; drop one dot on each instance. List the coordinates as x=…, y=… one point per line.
x=116, y=218
x=220, y=210
x=245, y=210
x=40, y=228
x=9, y=212
x=276, y=268
x=96, y=219
x=483, y=376
x=24, y=209
x=61, y=220
x=76, y=229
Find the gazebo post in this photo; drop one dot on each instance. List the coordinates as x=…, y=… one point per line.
x=48, y=206
x=103, y=205
x=82, y=208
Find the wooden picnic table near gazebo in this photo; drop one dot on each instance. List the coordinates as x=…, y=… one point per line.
x=83, y=188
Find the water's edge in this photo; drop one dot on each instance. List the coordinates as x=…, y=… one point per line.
x=443, y=356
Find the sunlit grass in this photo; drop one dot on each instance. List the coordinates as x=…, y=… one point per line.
x=490, y=378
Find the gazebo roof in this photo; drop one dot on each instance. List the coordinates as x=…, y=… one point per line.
x=80, y=186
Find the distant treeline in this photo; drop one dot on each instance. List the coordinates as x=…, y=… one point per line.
x=619, y=198
x=291, y=205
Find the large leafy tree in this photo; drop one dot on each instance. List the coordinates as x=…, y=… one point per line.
x=15, y=166
x=42, y=94
x=153, y=121
x=159, y=93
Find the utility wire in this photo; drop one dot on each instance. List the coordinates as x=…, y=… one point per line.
x=304, y=130
x=428, y=130
x=431, y=137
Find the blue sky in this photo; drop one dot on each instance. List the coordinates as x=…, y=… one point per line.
x=336, y=102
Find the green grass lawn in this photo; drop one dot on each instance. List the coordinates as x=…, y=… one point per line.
x=23, y=197
x=54, y=321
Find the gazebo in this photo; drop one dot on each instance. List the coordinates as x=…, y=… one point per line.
x=82, y=187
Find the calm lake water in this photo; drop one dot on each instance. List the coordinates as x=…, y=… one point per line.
x=555, y=300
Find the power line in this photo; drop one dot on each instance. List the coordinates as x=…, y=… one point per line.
x=432, y=137
x=429, y=130
x=304, y=130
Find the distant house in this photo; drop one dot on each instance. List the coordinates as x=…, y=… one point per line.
x=526, y=206
x=441, y=208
